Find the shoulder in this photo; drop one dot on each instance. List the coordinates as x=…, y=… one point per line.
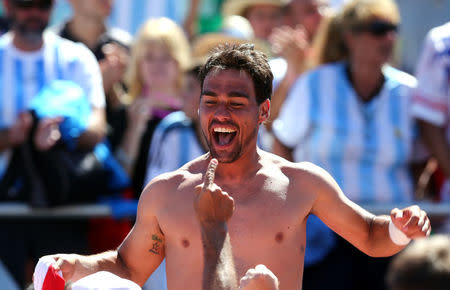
x=440, y=35
x=397, y=77
x=5, y=41
x=293, y=170
x=332, y=67
x=164, y=184
x=58, y=28
x=70, y=50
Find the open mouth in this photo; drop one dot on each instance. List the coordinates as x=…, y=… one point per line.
x=223, y=136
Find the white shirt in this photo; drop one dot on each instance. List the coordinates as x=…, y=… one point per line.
x=23, y=74
x=432, y=97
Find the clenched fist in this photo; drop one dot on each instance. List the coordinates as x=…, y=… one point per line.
x=211, y=204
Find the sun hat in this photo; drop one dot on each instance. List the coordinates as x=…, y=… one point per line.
x=235, y=30
x=238, y=7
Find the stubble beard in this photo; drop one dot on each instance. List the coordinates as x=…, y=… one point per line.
x=30, y=35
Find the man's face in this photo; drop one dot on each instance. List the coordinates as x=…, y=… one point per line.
x=99, y=9
x=30, y=18
x=263, y=19
x=229, y=114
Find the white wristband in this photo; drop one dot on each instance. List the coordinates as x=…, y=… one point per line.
x=397, y=236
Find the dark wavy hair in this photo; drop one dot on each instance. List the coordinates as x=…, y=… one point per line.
x=242, y=57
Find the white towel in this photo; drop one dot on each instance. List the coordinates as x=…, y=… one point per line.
x=104, y=281
x=45, y=277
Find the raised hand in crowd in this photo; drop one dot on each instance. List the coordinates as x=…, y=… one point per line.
x=47, y=133
x=114, y=65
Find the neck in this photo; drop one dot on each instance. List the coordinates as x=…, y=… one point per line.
x=87, y=29
x=26, y=44
x=241, y=170
x=162, y=96
x=160, y=90
x=366, y=79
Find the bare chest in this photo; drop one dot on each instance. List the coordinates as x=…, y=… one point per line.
x=263, y=221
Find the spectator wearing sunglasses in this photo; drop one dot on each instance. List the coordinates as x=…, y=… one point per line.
x=351, y=116
x=30, y=60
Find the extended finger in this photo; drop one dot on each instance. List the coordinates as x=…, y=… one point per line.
x=210, y=173
x=412, y=218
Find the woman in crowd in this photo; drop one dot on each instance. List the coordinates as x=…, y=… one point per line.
x=159, y=56
x=351, y=117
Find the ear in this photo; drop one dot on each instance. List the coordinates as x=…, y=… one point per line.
x=264, y=111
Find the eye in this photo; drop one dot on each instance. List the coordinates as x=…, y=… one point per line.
x=210, y=102
x=236, y=104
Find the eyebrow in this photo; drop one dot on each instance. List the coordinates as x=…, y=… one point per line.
x=230, y=94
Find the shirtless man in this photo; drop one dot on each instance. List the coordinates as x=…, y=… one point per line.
x=272, y=197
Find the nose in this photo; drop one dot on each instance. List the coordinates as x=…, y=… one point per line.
x=390, y=35
x=222, y=113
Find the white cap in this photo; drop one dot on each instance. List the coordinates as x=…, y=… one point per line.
x=104, y=281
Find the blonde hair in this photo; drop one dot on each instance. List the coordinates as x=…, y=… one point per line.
x=170, y=35
x=355, y=13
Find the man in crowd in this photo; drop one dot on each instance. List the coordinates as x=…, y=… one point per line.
x=29, y=61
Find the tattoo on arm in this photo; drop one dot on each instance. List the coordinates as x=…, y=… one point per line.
x=156, y=247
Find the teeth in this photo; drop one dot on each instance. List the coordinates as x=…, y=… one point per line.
x=224, y=130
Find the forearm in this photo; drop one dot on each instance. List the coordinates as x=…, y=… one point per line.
x=130, y=147
x=435, y=139
x=108, y=261
x=279, y=95
x=219, y=272
x=5, y=142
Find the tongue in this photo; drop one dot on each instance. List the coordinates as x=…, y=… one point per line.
x=224, y=138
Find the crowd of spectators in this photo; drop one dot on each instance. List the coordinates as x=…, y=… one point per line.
x=95, y=105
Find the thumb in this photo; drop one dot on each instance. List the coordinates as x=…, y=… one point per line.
x=210, y=173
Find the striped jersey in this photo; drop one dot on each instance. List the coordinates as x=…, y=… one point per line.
x=174, y=143
x=364, y=146
x=23, y=74
x=432, y=97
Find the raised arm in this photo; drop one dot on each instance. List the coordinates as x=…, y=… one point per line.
x=371, y=234
x=136, y=258
x=213, y=209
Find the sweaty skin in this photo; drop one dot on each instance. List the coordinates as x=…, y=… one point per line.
x=272, y=196
x=265, y=209
x=267, y=226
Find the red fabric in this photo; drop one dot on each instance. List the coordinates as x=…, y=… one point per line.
x=439, y=178
x=52, y=280
x=107, y=233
